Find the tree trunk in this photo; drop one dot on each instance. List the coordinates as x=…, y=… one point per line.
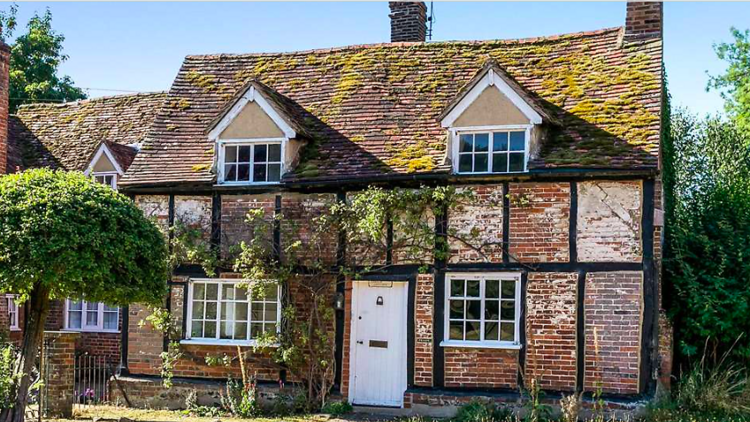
x=32, y=338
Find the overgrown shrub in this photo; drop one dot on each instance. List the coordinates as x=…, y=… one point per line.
x=7, y=378
x=483, y=411
x=338, y=408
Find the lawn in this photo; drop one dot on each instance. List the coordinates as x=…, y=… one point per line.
x=116, y=412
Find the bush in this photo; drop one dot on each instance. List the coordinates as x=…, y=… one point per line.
x=483, y=411
x=7, y=379
x=337, y=408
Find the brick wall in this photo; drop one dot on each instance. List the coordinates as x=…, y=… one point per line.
x=484, y=213
x=60, y=355
x=539, y=222
x=408, y=21
x=609, y=221
x=551, y=330
x=155, y=207
x=4, y=95
x=481, y=368
x=643, y=19
x=423, y=331
x=299, y=212
x=234, y=208
x=346, y=355
x=613, y=315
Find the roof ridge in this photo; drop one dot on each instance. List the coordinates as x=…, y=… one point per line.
x=526, y=40
x=90, y=100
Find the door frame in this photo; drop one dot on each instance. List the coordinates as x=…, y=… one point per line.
x=404, y=360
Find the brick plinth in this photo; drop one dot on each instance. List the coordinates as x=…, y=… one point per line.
x=60, y=379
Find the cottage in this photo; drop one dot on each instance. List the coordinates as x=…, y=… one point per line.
x=558, y=137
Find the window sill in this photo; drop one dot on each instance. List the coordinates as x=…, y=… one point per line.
x=15, y=329
x=216, y=342
x=92, y=330
x=248, y=183
x=480, y=345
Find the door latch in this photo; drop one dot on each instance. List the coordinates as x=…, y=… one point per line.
x=360, y=342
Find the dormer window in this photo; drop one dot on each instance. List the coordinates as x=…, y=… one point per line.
x=257, y=162
x=255, y=138
x=494, y=124
x=496, y=151
x=105, y=168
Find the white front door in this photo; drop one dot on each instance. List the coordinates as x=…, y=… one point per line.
x=378, y=343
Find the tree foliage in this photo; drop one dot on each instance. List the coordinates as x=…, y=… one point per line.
x=734, y=84
x=35, y=59
x=709, y=237
x=64, y=236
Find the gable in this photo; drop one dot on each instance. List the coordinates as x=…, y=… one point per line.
x=491, y=108
x=103, y=164
x=252, y=122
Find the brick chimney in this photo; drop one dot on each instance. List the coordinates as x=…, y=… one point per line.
x=408, y=21
x=4, y=97
x=643, y=19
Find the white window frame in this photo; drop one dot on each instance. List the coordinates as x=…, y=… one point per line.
x=222, y=144
x=219, y=341
x=13, y=312
x=484, y=344
x=99, y=327
x=456, y=139
x=114, y=175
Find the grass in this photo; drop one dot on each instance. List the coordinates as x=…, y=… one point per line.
x=151, y=415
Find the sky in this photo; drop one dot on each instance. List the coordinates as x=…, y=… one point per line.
x=119, y=47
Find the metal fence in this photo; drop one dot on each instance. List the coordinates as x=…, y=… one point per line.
x=91, y=384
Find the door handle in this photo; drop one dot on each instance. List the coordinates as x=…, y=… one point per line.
x=360, y=342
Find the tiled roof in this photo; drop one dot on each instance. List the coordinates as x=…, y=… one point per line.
x=375, y=109
x=67, y=135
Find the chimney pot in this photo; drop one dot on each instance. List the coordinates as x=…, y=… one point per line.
x=408, y=21
x=643, y=20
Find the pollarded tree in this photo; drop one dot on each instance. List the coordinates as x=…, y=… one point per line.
x=63, y=235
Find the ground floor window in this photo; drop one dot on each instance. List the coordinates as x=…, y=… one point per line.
x=221, y=311
x=91, y=316
x=482, y=309
x=12, y=312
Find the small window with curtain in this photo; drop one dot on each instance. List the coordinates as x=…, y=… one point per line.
x=91, y=316
x=251, y=163
x=220, y=312
x=12, y=312
x=482, y=310
x=491, y=152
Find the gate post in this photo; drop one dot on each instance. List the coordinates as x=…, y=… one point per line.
x=58, y=372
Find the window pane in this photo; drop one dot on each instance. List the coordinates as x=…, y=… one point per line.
x=516, y=161
x=240, y=330
x=457, y=288
x=274, y=152
x=507, y=331
x=75, y=306
x=500, y=141
x=230, y=154
x=74, y=319
x=456, y=330
x=274, y=172
x=230, y=172
x=92, y=318
x=473, y=309
x=464, y=163
x=456, y=309
x=227, y=330
x=499, y=163
x=240, y=312
x=480, y=163
x=110, y=321
x=211, y=310
x=257, y=312
x=492, y=289
x=227, y=292
x=472, y=288
x=492, y=310
x=517, y=141
x=508, y=310
x=260, y=153
x=243, y=172
x=244, y=154
x=259, y=173
x=227, y=310
x=481, y=142
x=197, y=310
x=272, y=292
x=270, y=312
x=509, y=289
x=491, y=331
x=209, y=329
x=92, y=306
x=472, y=330
x=197, y=330
x=240, y=294
x=465, y=143
x=212, y=291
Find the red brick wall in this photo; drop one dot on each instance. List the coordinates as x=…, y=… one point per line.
x=423, y=331
x=234, y=208
x=613, y=315
x=299, y=212
x=481, y=368
x=4, y=95
x=484, y=213
x=551, y=330
x=643, y=19
x=346, y=355
x=539, y=222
